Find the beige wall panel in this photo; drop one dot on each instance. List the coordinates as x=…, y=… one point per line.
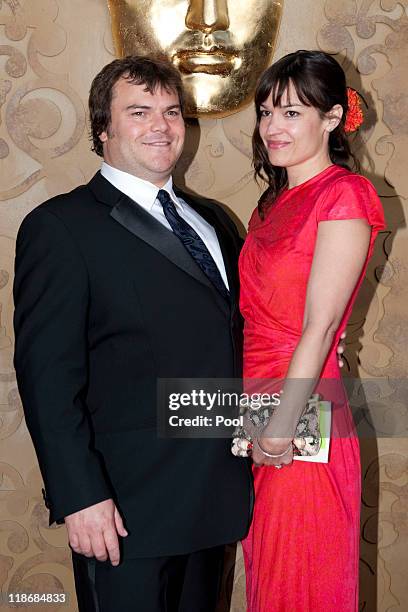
x=50, y=51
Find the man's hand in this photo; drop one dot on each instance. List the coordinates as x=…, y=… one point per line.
x=94, y=531
x=340, y=349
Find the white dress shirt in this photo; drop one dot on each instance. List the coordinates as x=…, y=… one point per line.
x=145, y=194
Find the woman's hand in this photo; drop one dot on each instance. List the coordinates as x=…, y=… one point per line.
x=274, y=446
x=340, y=349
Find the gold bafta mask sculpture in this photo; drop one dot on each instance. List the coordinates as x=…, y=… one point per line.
x=220, y=46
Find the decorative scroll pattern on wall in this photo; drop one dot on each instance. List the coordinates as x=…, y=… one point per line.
x=372, y=37
x=41, y=118
x=49, y=51
x=33, y=99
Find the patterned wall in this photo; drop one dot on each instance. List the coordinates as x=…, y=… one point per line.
x=49, y=52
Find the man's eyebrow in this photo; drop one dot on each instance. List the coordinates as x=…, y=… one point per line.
x=145, y=107
x=132, y=106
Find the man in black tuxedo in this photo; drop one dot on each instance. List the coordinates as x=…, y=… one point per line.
x=119, y=283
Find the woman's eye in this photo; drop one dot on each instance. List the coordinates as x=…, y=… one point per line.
x=292, y=113
x=265, y=113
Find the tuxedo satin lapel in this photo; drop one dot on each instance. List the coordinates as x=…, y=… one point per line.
x=136, y=220
x=221, y=230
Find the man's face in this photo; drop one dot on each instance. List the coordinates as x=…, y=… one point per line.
x=220, y=46
x=146, y=134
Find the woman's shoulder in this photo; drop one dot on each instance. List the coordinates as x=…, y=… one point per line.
x=343, y=179
x=348, y=195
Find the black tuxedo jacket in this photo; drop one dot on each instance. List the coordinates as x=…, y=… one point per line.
x=108, y=301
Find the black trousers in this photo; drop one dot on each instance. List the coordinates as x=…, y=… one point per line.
x=183, y=583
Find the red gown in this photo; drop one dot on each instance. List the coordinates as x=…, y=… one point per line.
x=302, y=551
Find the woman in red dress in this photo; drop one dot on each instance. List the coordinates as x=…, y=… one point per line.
x=302, y=264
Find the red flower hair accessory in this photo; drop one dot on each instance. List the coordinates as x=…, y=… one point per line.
x=354, y=117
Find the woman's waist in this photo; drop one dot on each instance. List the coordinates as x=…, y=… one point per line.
x=278, y=339
x=278, y=335
x=270, y=349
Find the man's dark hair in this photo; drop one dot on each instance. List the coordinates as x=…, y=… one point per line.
x=138, y=70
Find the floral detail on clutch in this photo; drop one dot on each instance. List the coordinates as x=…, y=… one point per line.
x=307, y=439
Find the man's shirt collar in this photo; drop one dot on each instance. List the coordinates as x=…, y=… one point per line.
x=142, y=192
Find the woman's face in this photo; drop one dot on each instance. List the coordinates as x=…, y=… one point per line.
x=293, y=133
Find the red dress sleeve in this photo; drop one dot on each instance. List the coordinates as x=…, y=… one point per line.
x=352, y=197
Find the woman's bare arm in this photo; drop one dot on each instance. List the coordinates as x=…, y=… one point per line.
x=339, y=257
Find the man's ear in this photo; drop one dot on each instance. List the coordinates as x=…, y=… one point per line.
x=334, y=117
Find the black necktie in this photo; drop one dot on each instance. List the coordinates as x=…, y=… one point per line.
x=192, y=242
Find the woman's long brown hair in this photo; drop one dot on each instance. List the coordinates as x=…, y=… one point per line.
x=319, y=81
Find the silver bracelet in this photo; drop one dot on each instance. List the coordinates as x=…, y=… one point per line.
x=270, y=454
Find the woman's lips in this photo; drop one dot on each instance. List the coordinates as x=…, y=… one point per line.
x=277, y=144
